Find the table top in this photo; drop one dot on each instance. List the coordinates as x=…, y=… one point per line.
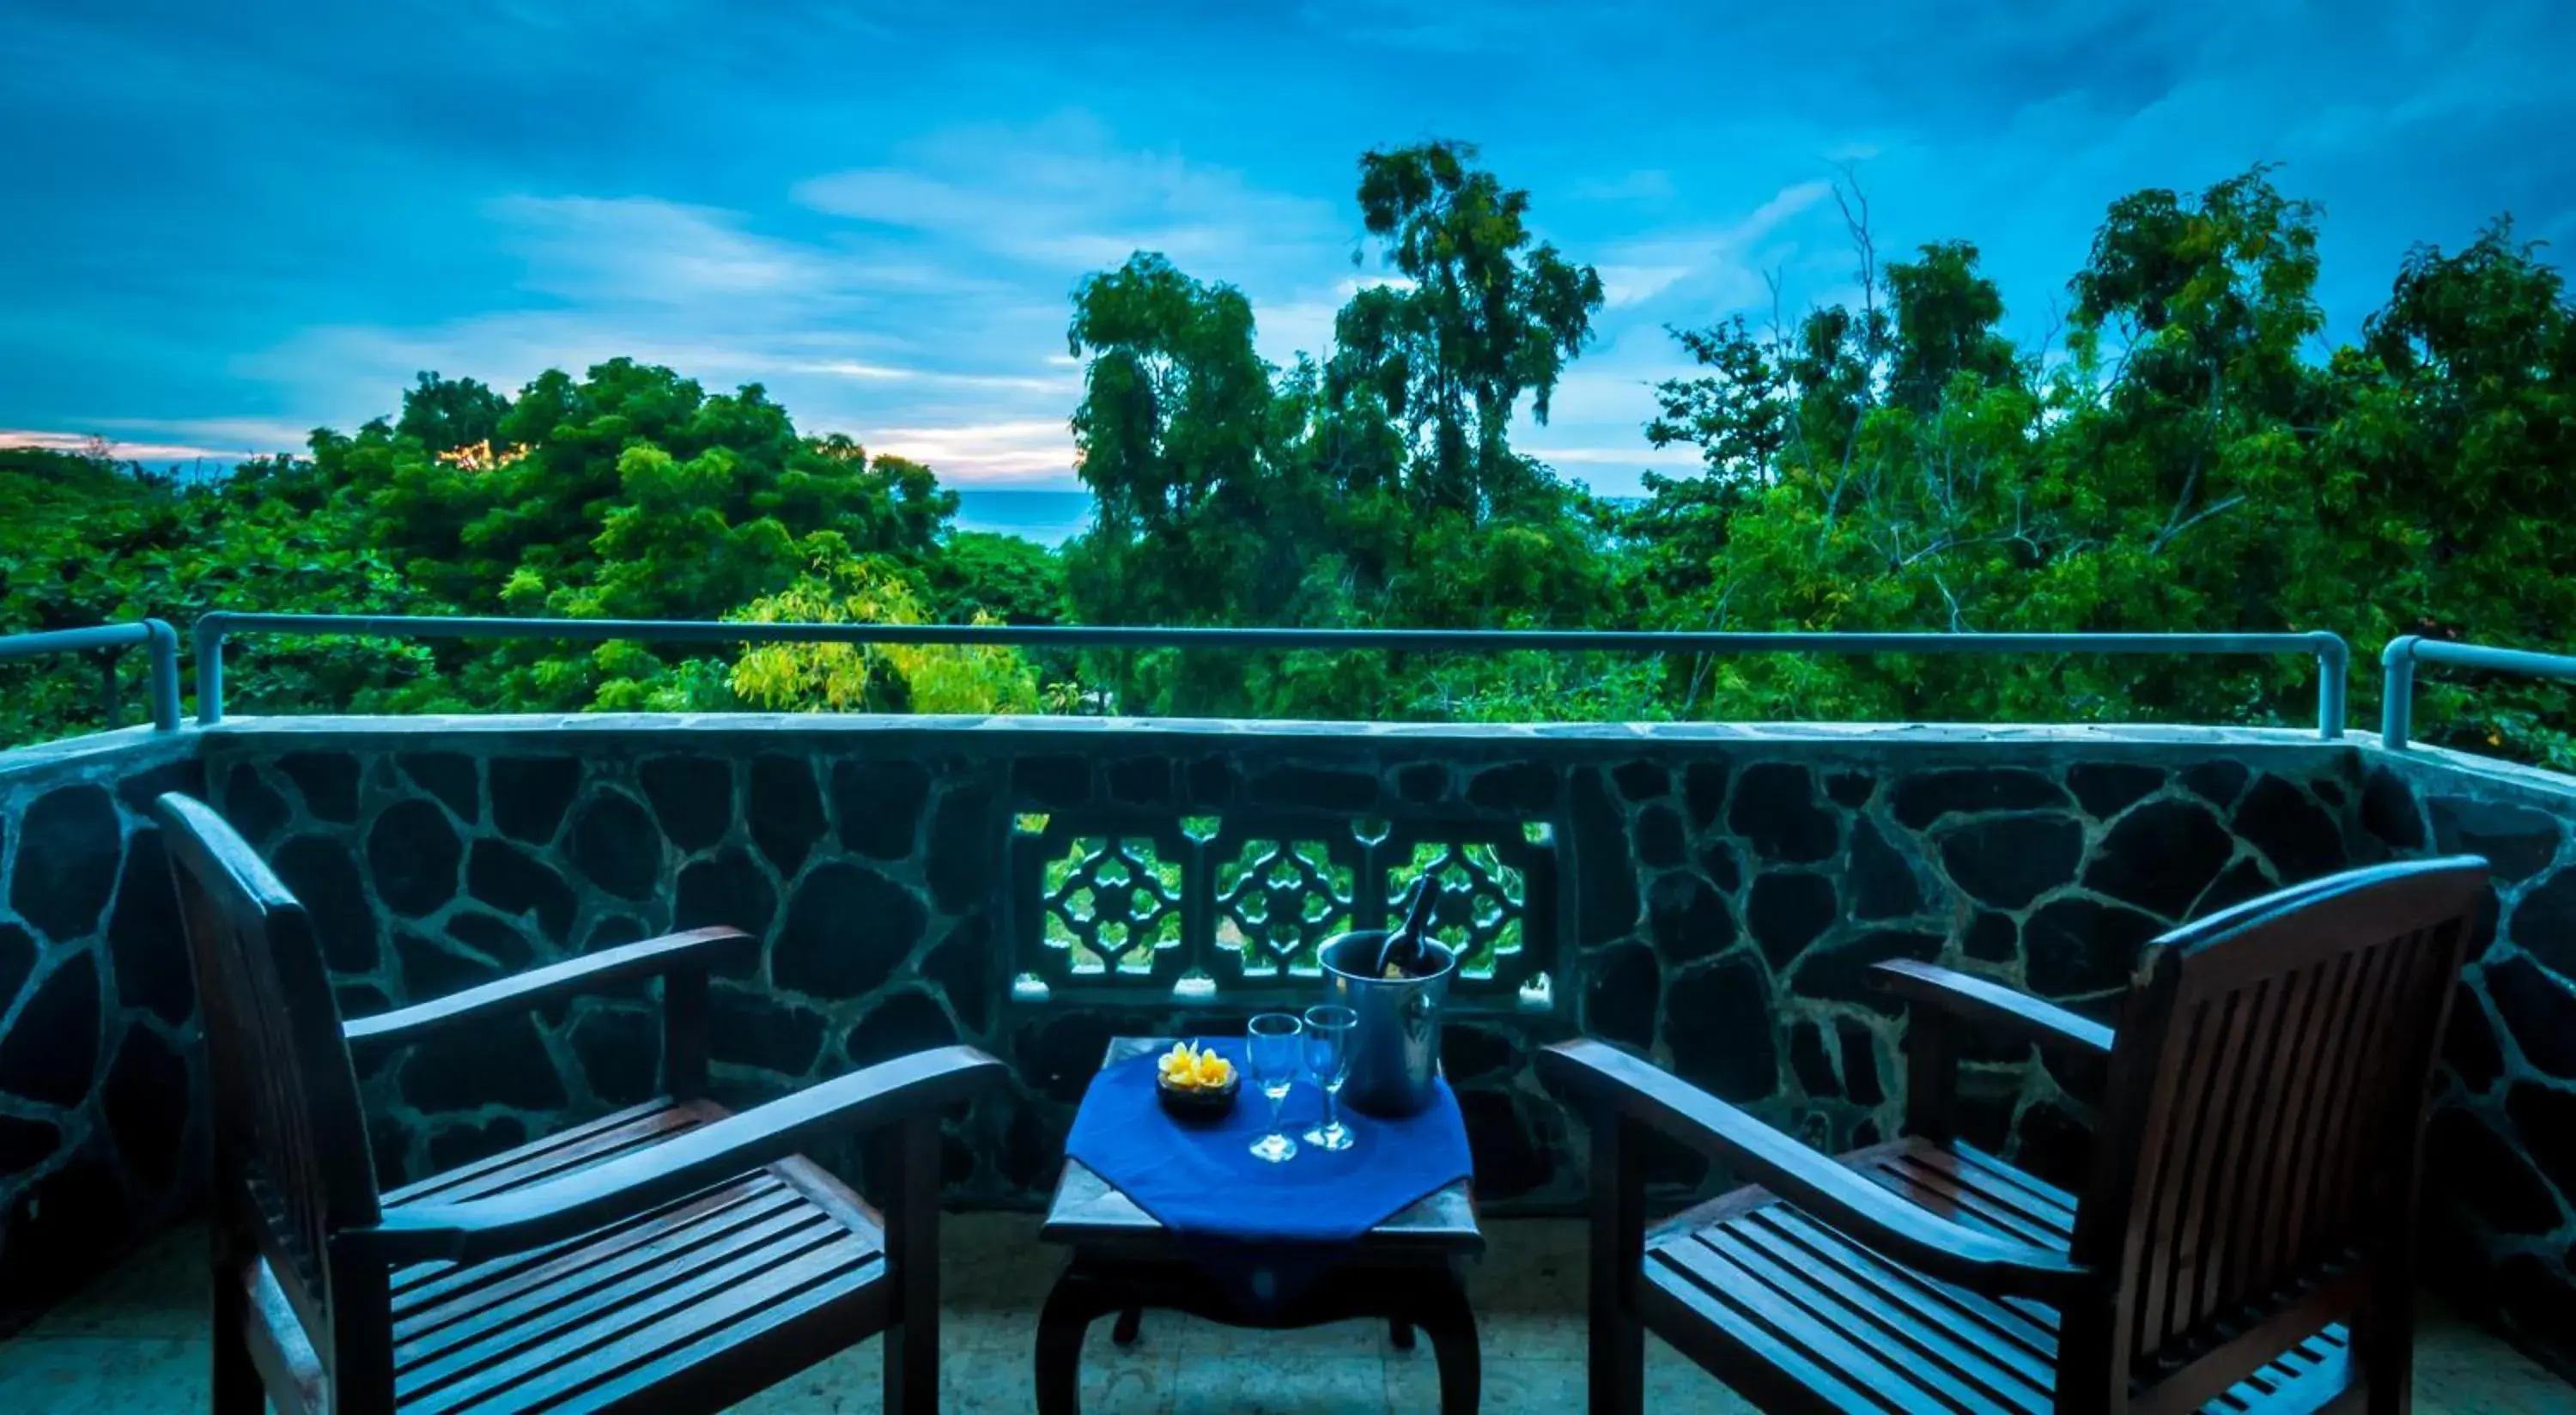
x=1089, y=1212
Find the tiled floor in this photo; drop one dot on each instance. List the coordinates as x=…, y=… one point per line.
x=135, y=1345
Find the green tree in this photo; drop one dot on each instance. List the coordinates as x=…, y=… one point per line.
x=2456, y=434
x=444, y=414
x=1480, y=317
x=1173, y=438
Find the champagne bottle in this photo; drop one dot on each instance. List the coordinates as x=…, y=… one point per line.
x=1402, y=955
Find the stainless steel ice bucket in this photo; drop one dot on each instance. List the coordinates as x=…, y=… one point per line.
x=1395, y=1049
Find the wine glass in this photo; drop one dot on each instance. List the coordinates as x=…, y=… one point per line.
x=1328, y=1061
x=1270, y=1054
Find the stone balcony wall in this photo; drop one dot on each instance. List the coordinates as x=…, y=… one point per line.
x=1711, y=894
x=2500, y=1158
x=102, y=1083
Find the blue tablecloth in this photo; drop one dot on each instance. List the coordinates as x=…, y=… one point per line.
x=1262, y=1230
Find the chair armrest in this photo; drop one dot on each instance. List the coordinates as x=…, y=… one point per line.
x=1994, y=1007
x=698, y=949
x=1816, y=1183
x=577, y=1203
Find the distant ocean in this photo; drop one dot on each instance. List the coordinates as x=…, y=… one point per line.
x=1053, y=517
x=1048, y=517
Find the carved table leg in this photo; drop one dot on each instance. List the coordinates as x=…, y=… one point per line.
x=1443, y=1315
x=1076, y=1301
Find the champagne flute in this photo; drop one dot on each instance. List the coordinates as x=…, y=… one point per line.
x=1328, y=1061
x=1270, y=1054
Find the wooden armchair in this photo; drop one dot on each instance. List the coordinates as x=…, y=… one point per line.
x=2243, y=1244
x=672, y=1257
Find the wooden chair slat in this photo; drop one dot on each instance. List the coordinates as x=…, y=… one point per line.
x=472, y=1288
x=2005, y=1324
x=1961, y=1203
x=2249, y=1133
x=2025, y=1193
x=2322, y=1200
x=1935, y=1330
x=514, y=1170
x=522, y=1305
x=1909, y=1342
x=1693, y=1262
x=2015, y=1331
x=643, y=1372
x=1776, y=1375
x=508, y=1353
x=2173, y=1200
x=559, y=1153
x=2328, y=1054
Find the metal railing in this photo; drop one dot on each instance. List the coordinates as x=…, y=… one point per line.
x=2332, y=658
x=158, y=638
x=2397, y=666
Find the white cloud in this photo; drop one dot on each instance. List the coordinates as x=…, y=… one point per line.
x=1706, y=270
x=646, y=251
x=1302, y=323
x=233, y=435
x=128, y=451
x=1062, y=195
x=1023, y=450
x=885, y=373
x=1637, y=455
x=1625, y=285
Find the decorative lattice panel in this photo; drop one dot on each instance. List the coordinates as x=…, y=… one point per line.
x=1498, y=893
x=1277, y=900
x=1233, y=909
x=1111, y=904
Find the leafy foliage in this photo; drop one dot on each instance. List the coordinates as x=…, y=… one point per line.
x=871, y=677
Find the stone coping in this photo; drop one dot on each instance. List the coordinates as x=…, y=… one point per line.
x=2478, y=770
x=125, y=749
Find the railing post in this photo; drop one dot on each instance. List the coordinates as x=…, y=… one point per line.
x=2397, y=692
x=2334, y=677
x=210, y=667
x=162, y=643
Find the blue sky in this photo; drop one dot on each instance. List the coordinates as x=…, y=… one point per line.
x=226, y=224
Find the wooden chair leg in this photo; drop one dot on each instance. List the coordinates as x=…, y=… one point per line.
x=912, y=1250
x=236, y=1385
x=362, y=1330
x=2383, y=1345
x=1616, y=1359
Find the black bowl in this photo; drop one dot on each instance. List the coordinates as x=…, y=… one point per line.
x=1198, y=1103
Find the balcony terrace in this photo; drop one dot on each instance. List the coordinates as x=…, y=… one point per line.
x=134, y=1343
x=1712, y=894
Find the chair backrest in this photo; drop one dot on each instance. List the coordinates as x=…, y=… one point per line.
x=292, y=1164
x=2262, y=1124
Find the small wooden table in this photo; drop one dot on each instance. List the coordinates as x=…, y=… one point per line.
x=1404, y=1271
